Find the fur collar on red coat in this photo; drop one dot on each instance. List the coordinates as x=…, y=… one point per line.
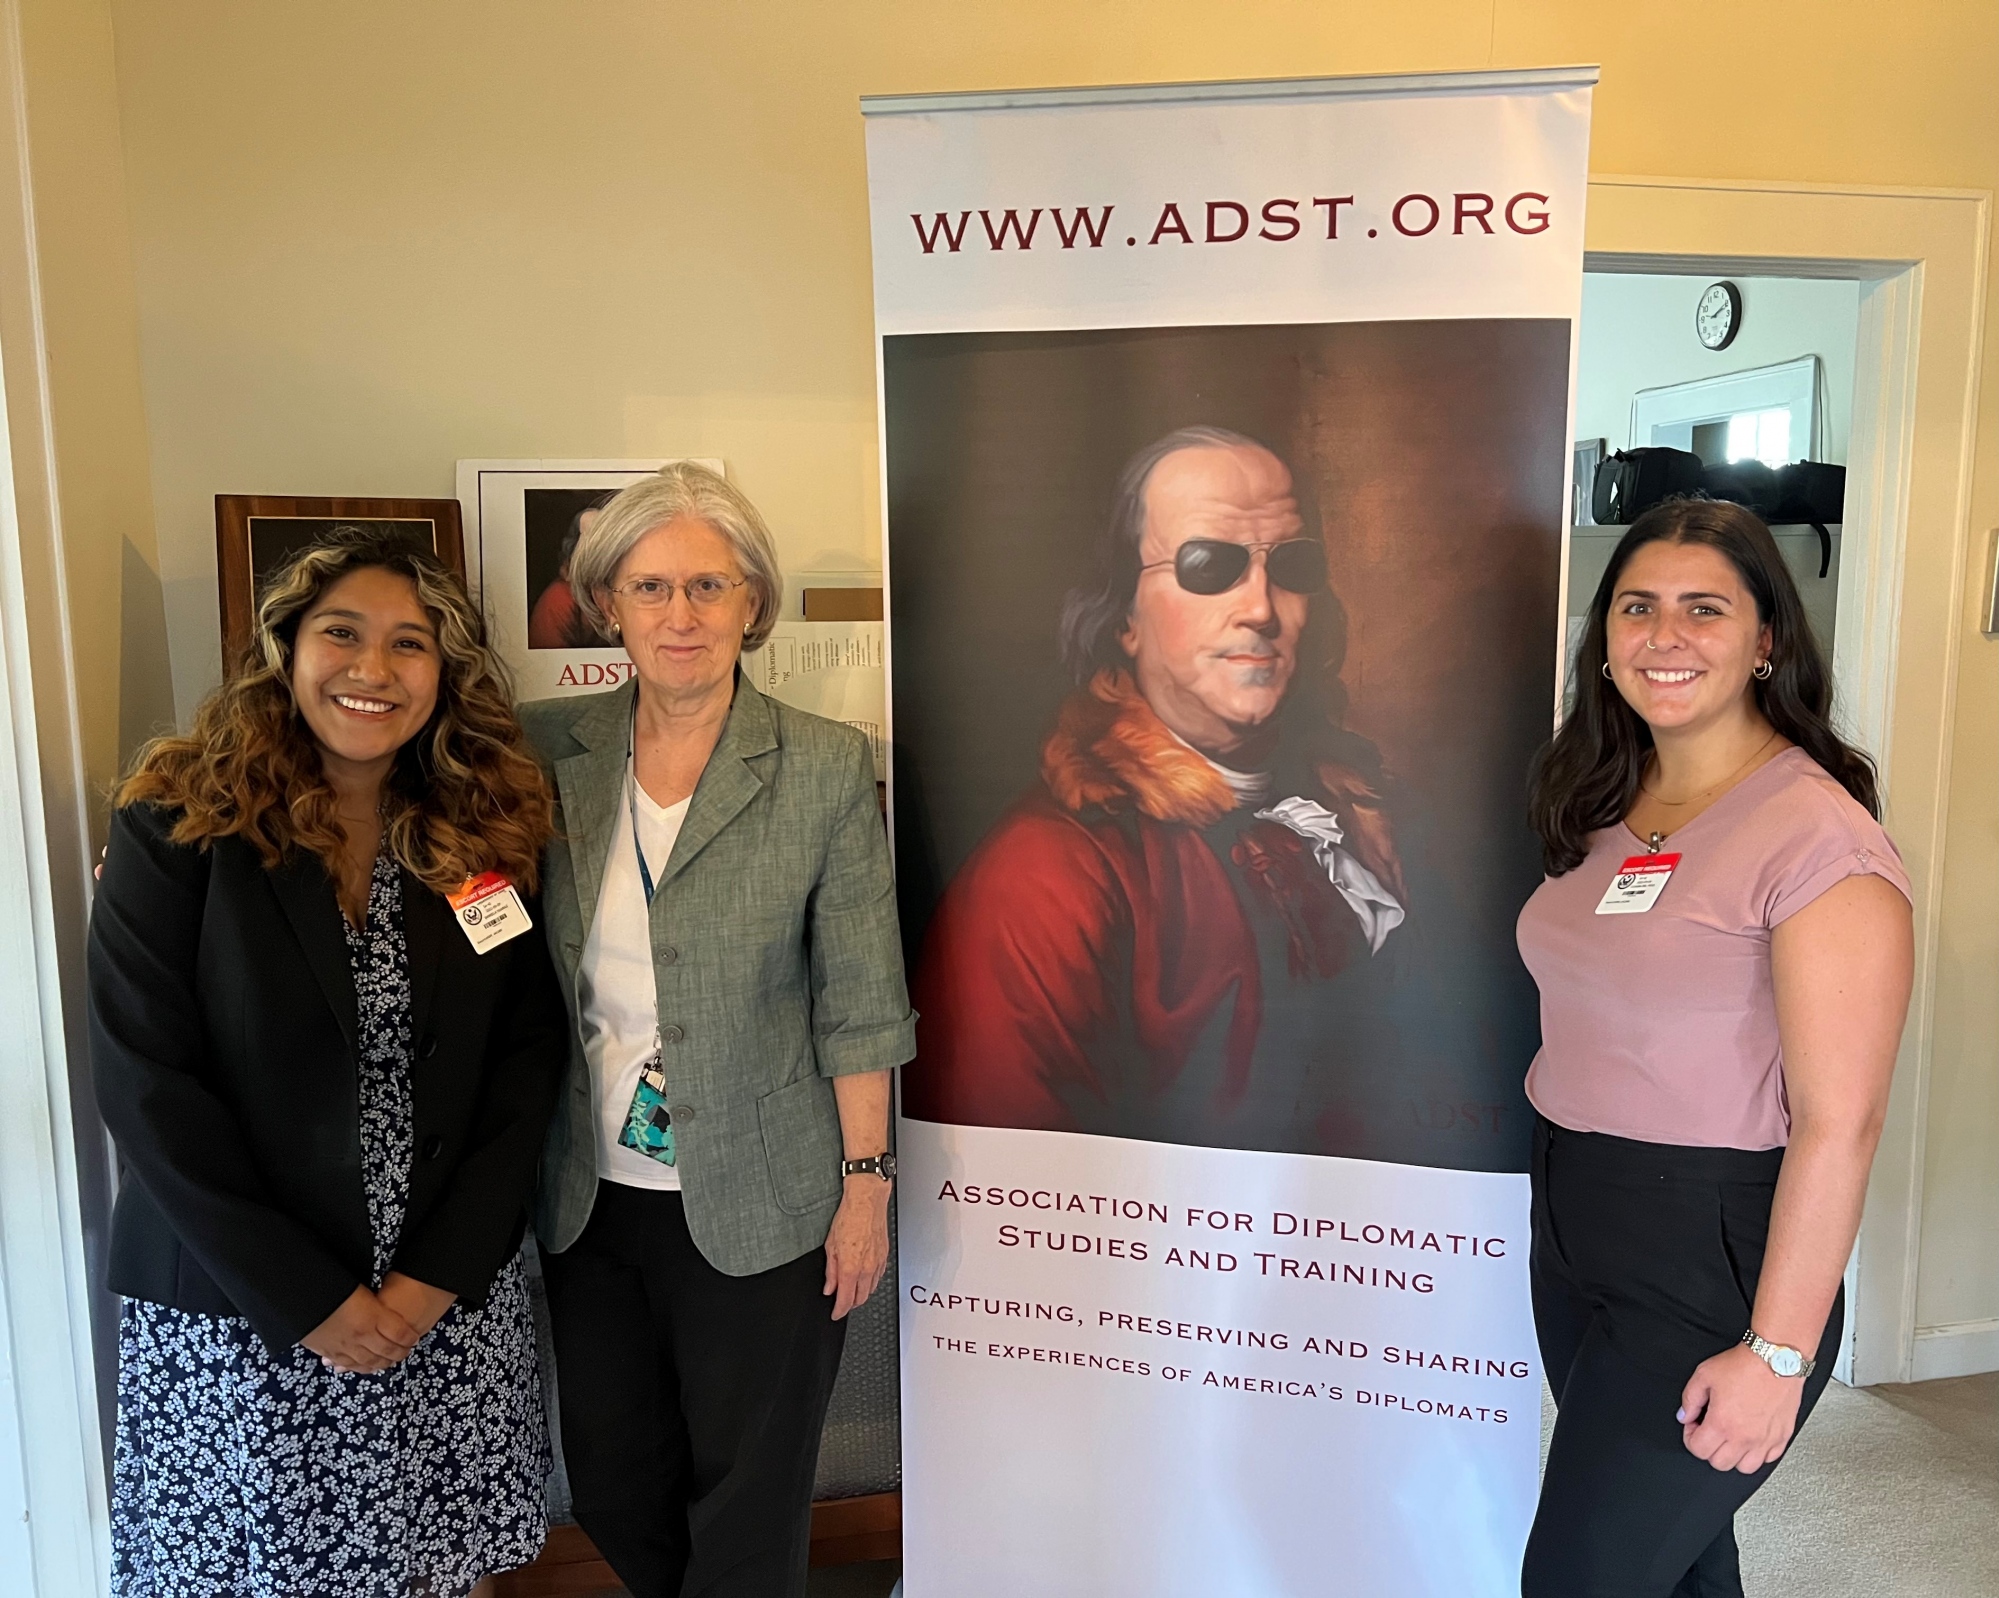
x=1110, y=750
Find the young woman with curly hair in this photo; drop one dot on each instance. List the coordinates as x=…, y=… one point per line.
x=329, y=1089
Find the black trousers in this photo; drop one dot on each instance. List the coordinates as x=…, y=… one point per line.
x=691, y=1402
x=1644, y=1261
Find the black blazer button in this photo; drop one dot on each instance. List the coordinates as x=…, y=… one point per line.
x=672, y=1034
x=433, y=1146
x=681, y=1113
x=426, y=1048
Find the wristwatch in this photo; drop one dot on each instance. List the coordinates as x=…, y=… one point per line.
x=882, y=1165
x=1784, y=1361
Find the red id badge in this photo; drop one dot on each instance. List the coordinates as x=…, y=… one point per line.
x=489, y=911
x=1637, y=885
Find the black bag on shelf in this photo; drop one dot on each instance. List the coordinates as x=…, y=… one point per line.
x=1750, y=484
x=1632, y=481
x=1808, y=493
x=1813, y=493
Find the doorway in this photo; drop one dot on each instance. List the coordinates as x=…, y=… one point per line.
x=1922, y=1298
x=1780, y=389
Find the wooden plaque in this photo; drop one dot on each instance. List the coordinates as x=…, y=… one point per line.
x=255, y=532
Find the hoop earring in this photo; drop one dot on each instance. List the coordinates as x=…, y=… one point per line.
x=1606, y=672
x=1762, y=672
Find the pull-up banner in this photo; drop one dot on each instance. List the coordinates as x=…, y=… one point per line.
x=1225, y=458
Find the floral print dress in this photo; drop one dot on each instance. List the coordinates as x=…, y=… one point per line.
x=243, y=1474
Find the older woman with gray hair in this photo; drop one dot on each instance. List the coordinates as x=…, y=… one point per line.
x=715, y=1188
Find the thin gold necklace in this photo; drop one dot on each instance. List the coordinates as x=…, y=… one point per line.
x=1681, y=804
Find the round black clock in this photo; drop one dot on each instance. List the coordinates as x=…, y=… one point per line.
x=1718, y=317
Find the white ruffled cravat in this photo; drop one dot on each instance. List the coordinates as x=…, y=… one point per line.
x=1378, y=909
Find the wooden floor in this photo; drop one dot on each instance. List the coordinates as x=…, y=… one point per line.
x=850, y=1531
x=844, y=1531
x=568, y=1568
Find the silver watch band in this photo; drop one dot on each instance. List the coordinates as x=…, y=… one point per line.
x=1781, y=1359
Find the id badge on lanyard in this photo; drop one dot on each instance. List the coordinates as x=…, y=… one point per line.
x=1638, y=884
x=489, y=911
x=648, y=1127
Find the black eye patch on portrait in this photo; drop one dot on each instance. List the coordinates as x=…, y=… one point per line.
x=1214, y=566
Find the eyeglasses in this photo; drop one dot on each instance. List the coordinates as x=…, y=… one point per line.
x=1214, y=565
x=649, y=593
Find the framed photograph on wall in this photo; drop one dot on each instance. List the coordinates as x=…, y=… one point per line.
x=256, y=533
x=522, y=519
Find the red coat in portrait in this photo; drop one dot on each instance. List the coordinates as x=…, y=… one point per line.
x=1107, y=958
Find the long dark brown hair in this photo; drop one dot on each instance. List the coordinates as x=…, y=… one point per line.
x=1587, y=776
x=465, y=795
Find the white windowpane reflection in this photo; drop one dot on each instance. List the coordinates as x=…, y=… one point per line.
x=1760, y=436
x=1742, y=436
x=1773, y=437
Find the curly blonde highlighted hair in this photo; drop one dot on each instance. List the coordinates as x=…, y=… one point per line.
x=465, y=795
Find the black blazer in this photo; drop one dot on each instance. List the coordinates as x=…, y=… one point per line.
x=223, y=1046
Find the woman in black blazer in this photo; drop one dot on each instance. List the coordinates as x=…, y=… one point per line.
x=329, y=1087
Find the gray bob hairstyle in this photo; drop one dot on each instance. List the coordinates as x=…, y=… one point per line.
x=680, y=489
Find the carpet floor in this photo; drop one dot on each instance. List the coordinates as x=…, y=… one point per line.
x=1890, y=1492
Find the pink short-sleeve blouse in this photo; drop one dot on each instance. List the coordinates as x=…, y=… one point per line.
x=1662, y=1026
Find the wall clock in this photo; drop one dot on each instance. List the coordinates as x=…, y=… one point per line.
x=1718, y=316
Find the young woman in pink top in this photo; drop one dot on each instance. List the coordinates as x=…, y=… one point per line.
x=1724, y=950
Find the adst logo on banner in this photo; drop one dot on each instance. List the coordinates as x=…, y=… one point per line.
x=1414, y=216
x=1224, y=511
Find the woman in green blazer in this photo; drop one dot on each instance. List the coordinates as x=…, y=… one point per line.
x=715, y=1187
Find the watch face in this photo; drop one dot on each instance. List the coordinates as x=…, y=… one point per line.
x=1718, y=315
x=1786, y=1361
x=888, y=1167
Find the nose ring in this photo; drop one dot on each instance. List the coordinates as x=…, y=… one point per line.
x=1650, y=645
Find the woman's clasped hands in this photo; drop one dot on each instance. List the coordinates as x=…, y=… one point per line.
x=372, y=1331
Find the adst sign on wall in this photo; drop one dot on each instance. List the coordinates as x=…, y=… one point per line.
x=1225, y=443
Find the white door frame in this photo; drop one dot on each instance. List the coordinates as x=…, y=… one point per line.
x=54, y=1523
x=1920, y=258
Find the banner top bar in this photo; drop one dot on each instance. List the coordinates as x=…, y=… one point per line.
x=1242, y=90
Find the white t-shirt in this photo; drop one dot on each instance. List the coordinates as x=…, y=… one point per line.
x=615, y=991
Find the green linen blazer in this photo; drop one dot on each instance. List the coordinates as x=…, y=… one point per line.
x=776, y=960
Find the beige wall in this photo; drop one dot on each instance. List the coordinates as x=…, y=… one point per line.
x=78, y=526
x=375, y=237
x=83, y=292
